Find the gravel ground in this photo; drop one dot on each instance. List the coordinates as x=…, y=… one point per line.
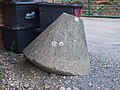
x=103, y=39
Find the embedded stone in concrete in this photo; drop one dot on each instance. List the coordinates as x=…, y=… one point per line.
x=61, y=48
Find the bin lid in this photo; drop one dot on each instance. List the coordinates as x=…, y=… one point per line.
x=60, y=5
x=16, y=3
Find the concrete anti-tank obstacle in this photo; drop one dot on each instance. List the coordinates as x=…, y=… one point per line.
x=61, y=48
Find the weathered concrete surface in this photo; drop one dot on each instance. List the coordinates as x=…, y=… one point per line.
x=61, y=48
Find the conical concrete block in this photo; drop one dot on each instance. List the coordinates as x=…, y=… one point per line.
x=61, y=48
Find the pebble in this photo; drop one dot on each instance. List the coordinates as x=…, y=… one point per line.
x=46, y=86
x=116, y=79
x=61, y=88
x=35, y=88
x=75, y=88
x=68, y=88
x=30, y=89
x=13, y=84
x=26, y=85
x=1, y=82
x=4, y=82
x=22, y=75
x=1, y=66
x=16, y=88
x=90, y=83
x=1, y=88
x=64, y=77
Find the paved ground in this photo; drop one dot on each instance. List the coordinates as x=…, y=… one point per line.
x=104, y=32
x=103, y=39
